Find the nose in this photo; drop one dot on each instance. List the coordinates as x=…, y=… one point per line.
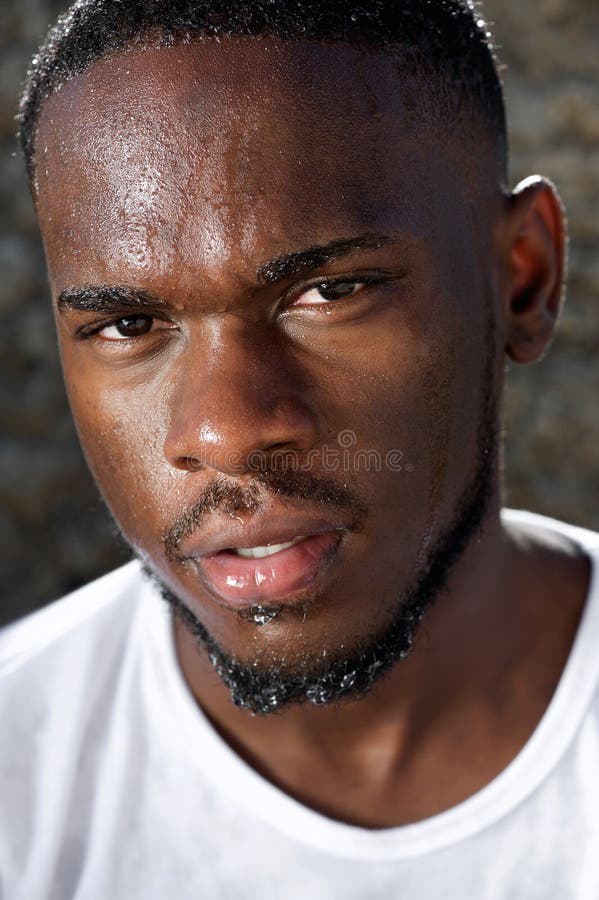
x=238, y=399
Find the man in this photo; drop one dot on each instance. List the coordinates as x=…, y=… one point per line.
x=286, y=268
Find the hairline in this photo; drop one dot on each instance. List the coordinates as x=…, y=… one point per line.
x=154, y=38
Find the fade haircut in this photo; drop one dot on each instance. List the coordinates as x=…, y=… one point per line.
x=443, y=42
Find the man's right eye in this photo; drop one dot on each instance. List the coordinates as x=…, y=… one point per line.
x=126, y=328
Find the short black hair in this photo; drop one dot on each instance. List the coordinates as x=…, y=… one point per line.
x=447, y=41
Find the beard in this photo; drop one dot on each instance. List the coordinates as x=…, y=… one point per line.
x=322, y=679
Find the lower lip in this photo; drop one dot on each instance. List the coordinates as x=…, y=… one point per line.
x=240, y=581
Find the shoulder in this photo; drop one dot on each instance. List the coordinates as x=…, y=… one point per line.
x=79, y=620
x=556, y=568
x=60, y=666
x=60, y=672
x=585, y=538
x=59, y=657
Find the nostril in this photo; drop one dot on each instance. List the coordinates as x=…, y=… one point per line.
x=189, y=463
x=283, y=455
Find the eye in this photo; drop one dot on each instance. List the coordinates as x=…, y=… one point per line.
x=126, y=328
x=328, y=291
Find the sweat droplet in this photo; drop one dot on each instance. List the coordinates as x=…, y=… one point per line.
x=259, y=615
x=319, y=698
x=348, y=680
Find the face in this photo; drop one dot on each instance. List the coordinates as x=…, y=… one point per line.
x=274, y=294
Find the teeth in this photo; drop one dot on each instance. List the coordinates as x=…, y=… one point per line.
x=268, y=550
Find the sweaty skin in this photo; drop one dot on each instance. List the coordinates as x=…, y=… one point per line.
x=182, y=173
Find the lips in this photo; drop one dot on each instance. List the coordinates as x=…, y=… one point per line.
x=243, y=581
x=236, y=564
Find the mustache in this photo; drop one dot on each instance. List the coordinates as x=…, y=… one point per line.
x=228, y=498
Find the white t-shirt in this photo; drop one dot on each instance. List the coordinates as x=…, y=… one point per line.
x=114, y=786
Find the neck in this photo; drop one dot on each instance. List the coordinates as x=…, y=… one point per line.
x=478, y=645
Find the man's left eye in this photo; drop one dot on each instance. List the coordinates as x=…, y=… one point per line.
x=328, y=291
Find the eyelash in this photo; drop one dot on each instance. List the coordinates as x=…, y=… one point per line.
x=290, y=297
x=89, y=331
x=365, y=280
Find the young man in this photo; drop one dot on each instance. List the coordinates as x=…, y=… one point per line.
x=286, y=269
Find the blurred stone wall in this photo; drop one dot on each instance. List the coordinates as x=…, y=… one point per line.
x=54, y=532
x=550, y=49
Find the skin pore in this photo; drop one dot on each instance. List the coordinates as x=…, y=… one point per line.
x=174, y=187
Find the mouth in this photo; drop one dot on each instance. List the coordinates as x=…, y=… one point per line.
x=271, y=572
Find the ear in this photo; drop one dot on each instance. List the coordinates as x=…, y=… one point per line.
x=535, y=262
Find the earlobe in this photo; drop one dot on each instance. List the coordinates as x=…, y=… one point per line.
x=536, y=262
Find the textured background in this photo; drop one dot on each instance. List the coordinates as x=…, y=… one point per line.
x=54, y=532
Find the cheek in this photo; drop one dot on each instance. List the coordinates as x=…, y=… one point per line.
x=399, y=388
x=410, y=408
x=122, y=434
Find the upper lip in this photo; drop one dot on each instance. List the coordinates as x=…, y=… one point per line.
x=257, y=530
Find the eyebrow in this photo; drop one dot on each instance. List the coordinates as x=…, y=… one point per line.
x=302, y=261
x=106, y=299
x=113, y=299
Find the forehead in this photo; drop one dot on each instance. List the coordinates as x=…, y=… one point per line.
x=210, y=150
